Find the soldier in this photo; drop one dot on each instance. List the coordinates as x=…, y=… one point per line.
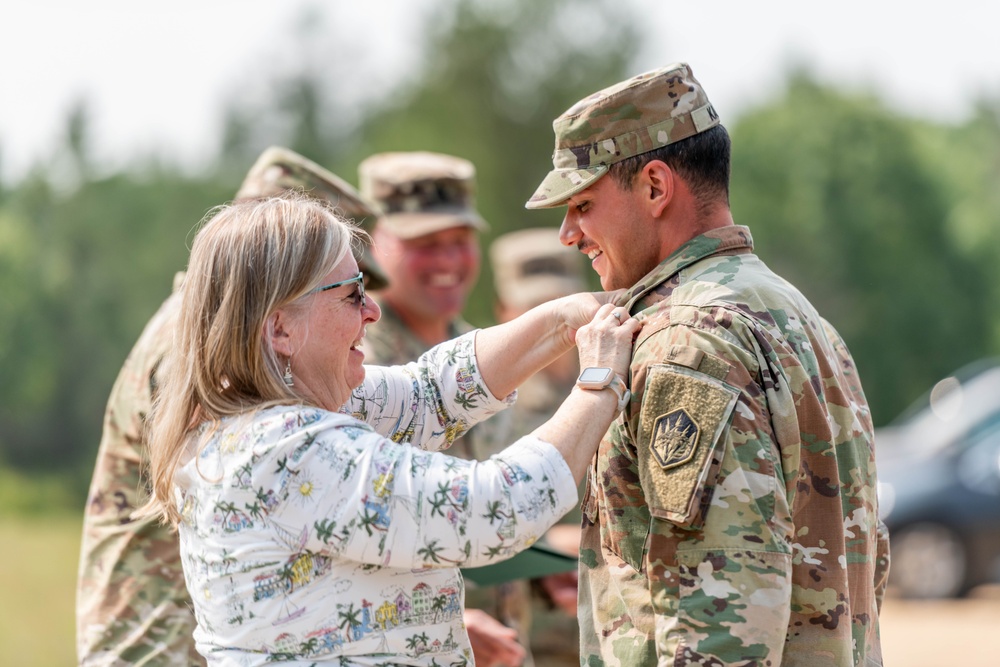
x=731, y=515
x=531, y=266
x=428, y=243
x=132, y=605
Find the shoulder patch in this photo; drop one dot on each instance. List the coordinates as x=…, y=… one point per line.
x=675, y=438
x=683, y=416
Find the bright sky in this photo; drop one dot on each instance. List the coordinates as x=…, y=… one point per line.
x=157, y=74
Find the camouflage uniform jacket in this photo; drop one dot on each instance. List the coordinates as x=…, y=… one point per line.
x=131, y=604
x=731, y=515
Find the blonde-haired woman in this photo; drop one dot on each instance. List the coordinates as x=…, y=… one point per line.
x=316, y=521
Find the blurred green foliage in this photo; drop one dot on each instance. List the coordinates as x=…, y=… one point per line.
x=887, y=223
x=844, y=202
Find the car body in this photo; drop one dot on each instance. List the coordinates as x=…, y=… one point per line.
x=939, y=486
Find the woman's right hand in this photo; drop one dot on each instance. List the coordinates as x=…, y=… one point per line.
x=606, y=341
x=577, y=426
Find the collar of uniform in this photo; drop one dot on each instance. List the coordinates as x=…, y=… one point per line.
x=731, y=239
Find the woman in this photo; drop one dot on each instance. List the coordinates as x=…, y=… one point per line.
x=306, y=533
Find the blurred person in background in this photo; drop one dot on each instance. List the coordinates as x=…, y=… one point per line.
x=131, y=603
x=731, y=516
x=530, y=267
x=306, y=534
x=427, y=240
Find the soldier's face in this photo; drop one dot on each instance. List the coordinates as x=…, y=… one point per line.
x=430, y=276
x=611, y=226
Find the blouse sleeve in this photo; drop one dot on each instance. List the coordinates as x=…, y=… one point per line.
x=430, y=402
x=380, y=503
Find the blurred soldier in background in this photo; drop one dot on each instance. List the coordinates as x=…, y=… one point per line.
x=132, y=606
x=532, y=266
x=427, y=241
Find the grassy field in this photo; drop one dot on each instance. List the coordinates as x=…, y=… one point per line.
x=38, y=558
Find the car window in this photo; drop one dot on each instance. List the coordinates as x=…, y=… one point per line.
x=979, y=466
x=952, y=409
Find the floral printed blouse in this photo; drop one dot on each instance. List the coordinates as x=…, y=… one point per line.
x=310, y=536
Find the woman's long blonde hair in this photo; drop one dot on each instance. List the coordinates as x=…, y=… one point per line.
x=251, y=258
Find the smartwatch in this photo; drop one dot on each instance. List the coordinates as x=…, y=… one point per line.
x=596, y=378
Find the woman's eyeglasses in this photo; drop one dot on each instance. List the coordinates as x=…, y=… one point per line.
x=359, y=295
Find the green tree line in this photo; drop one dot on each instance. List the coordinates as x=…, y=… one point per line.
x=886, y=222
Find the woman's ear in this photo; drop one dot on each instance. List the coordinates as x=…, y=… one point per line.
x=277, y=332
x=658, y=180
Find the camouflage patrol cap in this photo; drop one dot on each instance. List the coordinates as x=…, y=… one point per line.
x=531, y=266
x=632, y=117
x=279, y=170
x=420, y=192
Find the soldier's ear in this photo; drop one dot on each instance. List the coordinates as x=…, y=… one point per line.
x=658, y=182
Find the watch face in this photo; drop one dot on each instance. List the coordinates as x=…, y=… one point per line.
x=594, y=375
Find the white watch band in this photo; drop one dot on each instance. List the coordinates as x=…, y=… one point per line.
x=617, y=385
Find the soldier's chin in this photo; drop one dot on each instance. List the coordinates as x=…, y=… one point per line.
x=610, y=282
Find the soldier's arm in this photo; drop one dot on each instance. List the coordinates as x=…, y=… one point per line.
x=718, y=562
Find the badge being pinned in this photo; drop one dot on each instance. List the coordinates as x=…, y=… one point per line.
x=675, y=436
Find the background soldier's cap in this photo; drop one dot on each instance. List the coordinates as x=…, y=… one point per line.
x=279, y=170
x=421, y=193
x=531, y=266
x=644, y=113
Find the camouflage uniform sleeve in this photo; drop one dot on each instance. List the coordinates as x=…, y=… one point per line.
x=132, y=604
x=880, y=566
x=753, y=459
x=716, y=558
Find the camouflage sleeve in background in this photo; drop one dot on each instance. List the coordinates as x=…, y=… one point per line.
x=731, y=516
x=132, y=607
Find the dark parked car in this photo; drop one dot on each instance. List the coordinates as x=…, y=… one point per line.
x=939, y=486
